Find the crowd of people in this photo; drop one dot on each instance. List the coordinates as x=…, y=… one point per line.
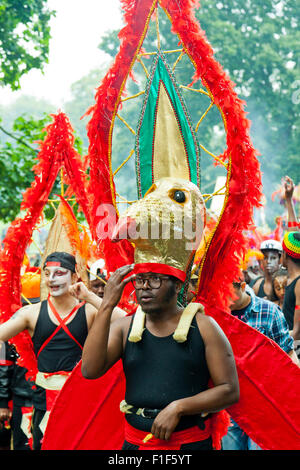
x=66, y=328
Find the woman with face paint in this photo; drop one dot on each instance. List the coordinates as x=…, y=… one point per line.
x=58, y=327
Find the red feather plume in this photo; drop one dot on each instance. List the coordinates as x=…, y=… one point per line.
x=56, y=151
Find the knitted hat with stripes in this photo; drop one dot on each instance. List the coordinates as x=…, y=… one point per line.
x=291, y=244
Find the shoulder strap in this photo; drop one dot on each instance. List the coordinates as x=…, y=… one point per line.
x=138, y=326
x=181, y=332
x=62, y=324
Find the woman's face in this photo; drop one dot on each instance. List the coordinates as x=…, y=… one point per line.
x=279, y=286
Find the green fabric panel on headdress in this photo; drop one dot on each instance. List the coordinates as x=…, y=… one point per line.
x=177, y=132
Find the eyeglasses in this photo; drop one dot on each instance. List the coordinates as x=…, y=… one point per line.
x=154, y=282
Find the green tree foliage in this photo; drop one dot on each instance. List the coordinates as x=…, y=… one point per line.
x=24, y=38
x=258, y=43
x=17, y=156
x=24, y=45
x=18, y=153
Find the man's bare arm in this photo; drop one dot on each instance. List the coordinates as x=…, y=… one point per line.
x=104, y=343
x=81, y=292
x=289, y=189
x=294, y=357
x=225, y=390
x=17, y=323
x=296, y=328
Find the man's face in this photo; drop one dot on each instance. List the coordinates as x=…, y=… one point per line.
x=153, y=300
x=58, y=280
x=97, y=286
x=235, y=305
x=271, y=261
x=239, y=292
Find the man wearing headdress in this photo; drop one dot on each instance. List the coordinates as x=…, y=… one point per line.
x=169, y=352
x=167, y=391
x=58, y=327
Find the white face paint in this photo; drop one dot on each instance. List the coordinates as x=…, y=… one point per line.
x=58, y=280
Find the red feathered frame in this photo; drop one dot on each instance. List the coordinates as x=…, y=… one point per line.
x=220, y=264
x=56, y=152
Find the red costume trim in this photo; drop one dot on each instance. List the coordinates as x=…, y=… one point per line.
x=3, y=362
x=177, y=439
x=62, y=324
x=159, y=269
x=293, y=224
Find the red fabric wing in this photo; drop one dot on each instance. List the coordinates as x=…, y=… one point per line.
x=86, y=415
x=268, y=409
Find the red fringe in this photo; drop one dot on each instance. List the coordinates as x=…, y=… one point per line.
x=219, y=426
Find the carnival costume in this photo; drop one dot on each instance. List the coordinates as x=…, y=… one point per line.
x=271, y=422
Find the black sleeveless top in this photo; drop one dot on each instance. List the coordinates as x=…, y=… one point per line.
x=289, y=303
x=159, y=370
x=62, y=353
x=261, y=292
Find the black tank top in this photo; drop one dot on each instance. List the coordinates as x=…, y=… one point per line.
x=261, y=292
x=289, y=303
x=61, y=353
x=159, y=370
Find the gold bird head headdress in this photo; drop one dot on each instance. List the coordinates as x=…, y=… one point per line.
x=165, y=226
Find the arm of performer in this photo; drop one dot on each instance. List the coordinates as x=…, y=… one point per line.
x=295, y=333
x=104, y=343
x=225, y=392
x=18, y=322
x=81, y=292
x=292, y=218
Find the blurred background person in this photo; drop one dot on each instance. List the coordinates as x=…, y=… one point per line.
x=279, y=279
x=271, y=250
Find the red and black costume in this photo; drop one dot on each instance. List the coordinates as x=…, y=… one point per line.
x=152, y=383
x=58, y=349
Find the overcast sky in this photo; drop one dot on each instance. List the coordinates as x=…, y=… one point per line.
x=76, y=31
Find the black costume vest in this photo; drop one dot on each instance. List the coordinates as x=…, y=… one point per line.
x=261, y=292
x=159, y=370
x=61, y=353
